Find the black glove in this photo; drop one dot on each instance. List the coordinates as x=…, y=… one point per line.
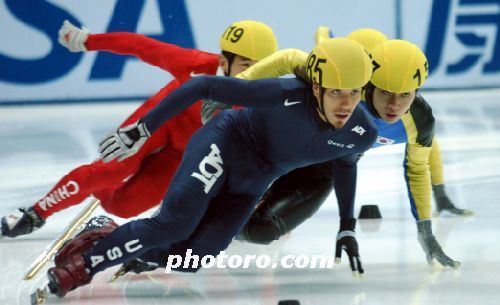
x=346, y=240
x=431, y=246
x=443, y=203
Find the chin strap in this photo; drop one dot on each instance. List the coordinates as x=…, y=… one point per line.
x=321, y=105
x=230, y=59
x=369, y=100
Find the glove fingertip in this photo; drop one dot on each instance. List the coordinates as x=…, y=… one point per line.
x=106, y=138
x=468, y=212
x=360, y=267
x=122, y=157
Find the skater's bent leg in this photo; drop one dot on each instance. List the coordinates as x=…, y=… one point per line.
x=147, y=187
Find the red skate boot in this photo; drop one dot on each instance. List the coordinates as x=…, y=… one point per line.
x=95, y=229
x=68, y=277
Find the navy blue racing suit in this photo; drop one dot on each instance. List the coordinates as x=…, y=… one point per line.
x=231, y=161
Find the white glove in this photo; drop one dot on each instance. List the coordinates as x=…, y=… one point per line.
x=124, y=143
x=431, y=246
x=72, y=37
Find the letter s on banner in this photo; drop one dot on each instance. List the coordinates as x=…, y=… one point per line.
x=46, y=18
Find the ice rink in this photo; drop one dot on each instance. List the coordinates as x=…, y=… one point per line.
x=39, y=144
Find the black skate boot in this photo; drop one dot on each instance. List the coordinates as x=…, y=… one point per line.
x=21, y=222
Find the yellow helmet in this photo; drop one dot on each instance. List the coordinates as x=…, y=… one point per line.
x=322, y=33
x=339, y=63
x=398, y=66
x=368, y=38
x=250, y=39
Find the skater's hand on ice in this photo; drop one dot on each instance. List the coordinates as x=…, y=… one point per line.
x=124, y=143
x=431, y=247
x=346, y=240
x=73, y=38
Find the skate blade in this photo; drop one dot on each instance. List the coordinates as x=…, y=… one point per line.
x=118, y=274
x=39, y=296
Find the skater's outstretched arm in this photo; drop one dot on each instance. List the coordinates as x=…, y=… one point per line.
x=263, y=94
x=180, y=62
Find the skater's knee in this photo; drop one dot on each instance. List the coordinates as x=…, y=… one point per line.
x=262, y=231
x=117, y=209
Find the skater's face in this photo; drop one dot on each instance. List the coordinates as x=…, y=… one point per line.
x=392, y=106
x=238, y=65
x=338, y=104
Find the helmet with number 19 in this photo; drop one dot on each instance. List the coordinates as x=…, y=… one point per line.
x=244, y=43
x=250, y=39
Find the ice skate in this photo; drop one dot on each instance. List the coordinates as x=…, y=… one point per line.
x=95, y=229
x=69, y=276
x=136, y=266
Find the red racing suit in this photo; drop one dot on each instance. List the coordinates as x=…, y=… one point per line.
x=136, y=184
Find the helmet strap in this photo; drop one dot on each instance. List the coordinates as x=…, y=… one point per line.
x=230, y=59
x=369, y=91
x=321, y=106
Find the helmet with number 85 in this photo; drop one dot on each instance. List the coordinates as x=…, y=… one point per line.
x=398, y=66
x=250, y=39
x=339, y=63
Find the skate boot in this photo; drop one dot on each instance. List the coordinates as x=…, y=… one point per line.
x=68, y=277
x=95, y=229
x=21, y=222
